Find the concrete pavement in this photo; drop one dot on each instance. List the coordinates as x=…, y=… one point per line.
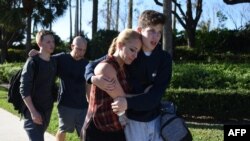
x=11, y=128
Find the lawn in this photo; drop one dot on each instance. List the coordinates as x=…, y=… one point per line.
x=200, y=131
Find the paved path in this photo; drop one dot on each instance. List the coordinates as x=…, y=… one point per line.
x=11, y=128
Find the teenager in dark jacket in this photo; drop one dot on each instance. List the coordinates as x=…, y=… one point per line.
x=36, y=87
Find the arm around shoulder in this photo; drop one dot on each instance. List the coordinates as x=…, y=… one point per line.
x=107, y=70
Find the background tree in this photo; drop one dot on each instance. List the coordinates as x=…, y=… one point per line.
x=11, y=25
x=235, y=1
x=117, y=15
x=188, y=21
x=130, y=14
x=109, y=14
x=94, y=17
x=39, y=11
x=167, y=38
x=70, y=21
x=77, y=18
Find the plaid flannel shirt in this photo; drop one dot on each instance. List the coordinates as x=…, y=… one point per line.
x=100, y=103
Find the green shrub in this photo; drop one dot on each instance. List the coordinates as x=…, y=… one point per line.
x=16, y=55
x=7, y=70
x=211, y=76
x=220, y=104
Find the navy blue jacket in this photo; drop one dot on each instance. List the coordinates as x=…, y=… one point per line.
x=72, y=82
x=155, y=70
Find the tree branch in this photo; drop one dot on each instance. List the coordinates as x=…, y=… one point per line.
x=231, y=2
x=158, y=3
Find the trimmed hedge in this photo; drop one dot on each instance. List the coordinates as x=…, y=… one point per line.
x=219, y=104
x=211, y=76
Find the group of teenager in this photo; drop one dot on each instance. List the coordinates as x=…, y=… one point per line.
x=114, y=98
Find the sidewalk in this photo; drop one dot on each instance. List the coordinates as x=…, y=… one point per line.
x=11, y=128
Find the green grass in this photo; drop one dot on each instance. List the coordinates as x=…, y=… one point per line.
x=200, y=132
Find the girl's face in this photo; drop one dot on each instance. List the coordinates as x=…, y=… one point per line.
x=48, y=44
x=130, y=50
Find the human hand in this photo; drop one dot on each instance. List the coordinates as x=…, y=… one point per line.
x=33, y=52
x=105, y=83
x=36, y=117
x=119, y=105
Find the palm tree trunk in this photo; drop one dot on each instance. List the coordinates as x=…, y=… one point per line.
x=94, y=17
x=70, y=21
x=77, y=18
x=117, y=15
x=130, y=14
x=28, y=32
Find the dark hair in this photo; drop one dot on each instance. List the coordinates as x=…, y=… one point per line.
x=151, y=18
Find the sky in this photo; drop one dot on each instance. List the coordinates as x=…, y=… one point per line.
x=237, y=15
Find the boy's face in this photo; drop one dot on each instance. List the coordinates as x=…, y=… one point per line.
x=151, y=35
x=47, y=44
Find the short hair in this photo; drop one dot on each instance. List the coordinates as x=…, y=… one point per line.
x=40, y=35
x=79, y=39
x=151, y=18
x=123, y=37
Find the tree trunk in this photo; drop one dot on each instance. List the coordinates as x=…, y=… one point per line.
x=191, y=37
x=77, y=18
x=130, y=14
x=174, y=19
x=108, y=14
x=70, y=22
x=235, y=1
x=167, y=29
x=28, y=32
x=117, y=15
x=94, y=17
x=80, y=17
x=3, y=47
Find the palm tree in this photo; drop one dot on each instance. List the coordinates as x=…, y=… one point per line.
x=37, y=10
x=130, y=13
x=70, y=21
x=77, y=18
x=11, y=25
x=117, y=15
x=94, y=17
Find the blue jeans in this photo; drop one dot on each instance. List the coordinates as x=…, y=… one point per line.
x=36, y=131
x=143, y=131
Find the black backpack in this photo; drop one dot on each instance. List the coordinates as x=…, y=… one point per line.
x=14, y=95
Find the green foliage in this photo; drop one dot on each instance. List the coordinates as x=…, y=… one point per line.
x=221, y=104
x=100, y=43
x=16, y=55
x=211, y=76
x=7, y=70
x=223, y=40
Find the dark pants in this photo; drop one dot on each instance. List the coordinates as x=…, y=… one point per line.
x=36, y=131
x=94, y=134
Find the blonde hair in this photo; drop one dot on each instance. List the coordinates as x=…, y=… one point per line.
x=124, y=36
x=41, y=34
